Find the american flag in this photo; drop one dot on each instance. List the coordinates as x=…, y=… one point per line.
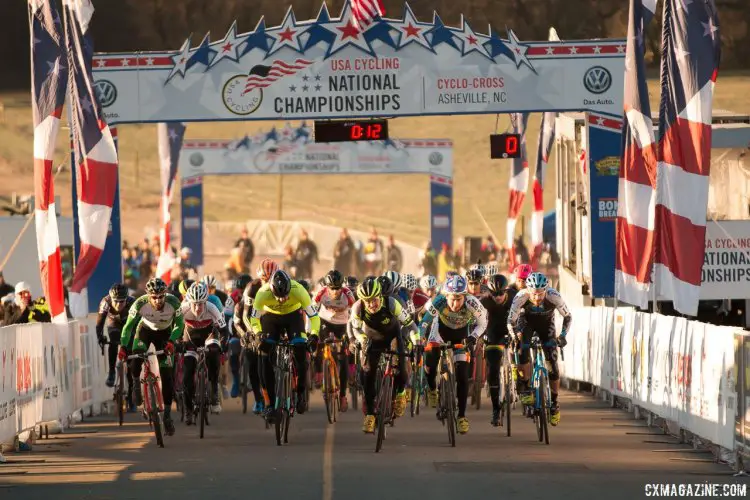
x=691, y=51
x=262, y=76
x=49, y=76
x=518, y=184
x=637, y=183
x=365, y=11
x=170, y=137
x=546, y=140
x=95, y=151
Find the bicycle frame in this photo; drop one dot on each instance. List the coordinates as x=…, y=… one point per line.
x=539, y=369
x=284, y=364
x=148, y=376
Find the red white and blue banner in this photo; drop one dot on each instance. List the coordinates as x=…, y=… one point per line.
x=330, y=67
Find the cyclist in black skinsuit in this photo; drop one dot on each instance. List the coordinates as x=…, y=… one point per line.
x=533, y=311
x=113, y=311
x=497, y=301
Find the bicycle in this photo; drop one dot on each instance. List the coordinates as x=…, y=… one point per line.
x=202, y=400
x=542, y=392
x=118, y=395
x=245, y=386
x=179, y=388
x=330, y=379
x=153, y=402
x=286, y=386
x=447, y=407
x=418, y=382
x=383, y=410
x=508, y=377
x=478, y=376
x=355, y=381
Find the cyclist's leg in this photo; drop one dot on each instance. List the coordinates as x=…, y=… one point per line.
x=270, y=326
x=493, y=355
x=460, y=365
x=114, y=346
x=166, y=372
x=189, y=364
x=141, y=341
x=370, y=359
x=235, y=348
x=550, y=352
x=339, y=331
x=253, y=367
x=431, y=358
x=213, y=366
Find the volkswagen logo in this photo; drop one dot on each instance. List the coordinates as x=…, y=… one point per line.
x=106, y=92
x=436, y=158
x=196, y=159
x=597, y=80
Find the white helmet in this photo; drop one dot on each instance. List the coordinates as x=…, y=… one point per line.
x=410, y=282
x=428, y=282
x=209, y=280
x=197, y=293
x=22, y=286
x=395, y=278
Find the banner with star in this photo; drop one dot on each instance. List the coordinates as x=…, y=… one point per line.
x=334, y=68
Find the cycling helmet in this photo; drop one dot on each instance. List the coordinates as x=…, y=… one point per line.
x=497, y=283
x=451, y=273
x=522, y=271
x=185, y=286
x=479, y=268
x=306, y=285
x=455, y=285
x=333, y=279
x=428, y=282
x=395, y=278
x=386, y=285
x=156, y=286
x=281, y=284
x=352, y=283
x=474, y=276
x=242, y=281
x=197, y=293
x=491, y=270
x=266, y=269
x=369, y=288
x=410, y=282
x=536, y=281
x=118, y=292
x=209, y=280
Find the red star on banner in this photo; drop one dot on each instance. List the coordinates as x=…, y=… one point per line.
x=349, y=31
x=287, y=34
x=411, y=30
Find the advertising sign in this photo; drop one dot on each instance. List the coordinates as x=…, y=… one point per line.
x=332, y=68
x=192, y=217
x=726, y=263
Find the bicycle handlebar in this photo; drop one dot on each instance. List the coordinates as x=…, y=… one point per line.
x=144, y=355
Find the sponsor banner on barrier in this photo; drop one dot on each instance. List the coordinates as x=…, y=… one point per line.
x=8, y=418
x=726, y=263
x=29, y=383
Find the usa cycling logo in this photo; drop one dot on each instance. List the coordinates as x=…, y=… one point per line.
x=597, y=80
x=106, y=92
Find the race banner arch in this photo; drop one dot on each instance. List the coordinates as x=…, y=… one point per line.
x=291, y=150
x=329, y=68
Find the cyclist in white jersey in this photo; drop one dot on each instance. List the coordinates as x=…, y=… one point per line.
x=334, y=301
x=201, y=318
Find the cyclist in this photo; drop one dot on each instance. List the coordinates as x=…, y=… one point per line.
x=521, y=273
x=183, y=288
x=237, y=330
x=376, y=323
x=497, y=302
x=201, y=318
x=447, y=319
x=429, y=285
x=154, y=318
x=275, y=310
x=474, y=279
x=399, y=291
x=533, y=310
x=333, y=302
x=213, y=294
x=113, y=309
x=417, y=298
x=351, y=282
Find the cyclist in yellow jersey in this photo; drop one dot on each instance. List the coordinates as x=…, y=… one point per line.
x=277, y=309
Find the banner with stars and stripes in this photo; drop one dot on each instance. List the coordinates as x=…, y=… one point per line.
x=358, y=65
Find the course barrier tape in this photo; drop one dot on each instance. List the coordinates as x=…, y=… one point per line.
x=49, y=372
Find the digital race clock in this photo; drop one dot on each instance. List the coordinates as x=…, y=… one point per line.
x=505, y=146
x=351, y=131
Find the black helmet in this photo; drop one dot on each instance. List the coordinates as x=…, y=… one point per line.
x=156, y=286
x=351, y=283
x=281, y=284
x=334, y=279
x=305, y=284
x=474, y=276
x=497, y=283
x=369, y=288
x=242, y=281
x=386, y=285
x=118, y=292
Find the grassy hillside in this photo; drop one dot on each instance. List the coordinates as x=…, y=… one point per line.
x=397, y=204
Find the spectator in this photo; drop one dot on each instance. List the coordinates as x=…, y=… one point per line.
x=289, y=264
x=444, y=261
x=522, y=252
x=5, y=288
x=488, y=250
x=8, y=309
x=394, y=257
x=29, y=311
x=428, y=259
x=344, y=253
x=235, y=265
x=186, y=266
x=247, y=250
x=306, y=252
x=373, y=254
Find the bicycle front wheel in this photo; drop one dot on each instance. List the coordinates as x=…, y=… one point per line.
x=329, y=391
x=507, y=397
x=544, y=407
x=120, y=394
x=478, y=378
x=244, y=381
x=202, y=403
x=383, y=415
x=449, y=402
x=155, y=415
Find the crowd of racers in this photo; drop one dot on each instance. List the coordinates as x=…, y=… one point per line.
x=397, y=312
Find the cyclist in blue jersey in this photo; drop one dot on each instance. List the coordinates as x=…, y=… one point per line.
x=533, y=311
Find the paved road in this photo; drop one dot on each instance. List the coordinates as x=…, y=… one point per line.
x=596, y=452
